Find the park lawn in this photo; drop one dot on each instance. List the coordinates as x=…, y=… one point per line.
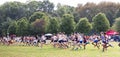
x=49, y=51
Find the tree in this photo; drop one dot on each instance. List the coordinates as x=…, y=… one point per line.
x=67, y=24
x=43, y=6
x=116, y=24
x=89, y=10
x=5, y=26
x=0, y=29
x=100, y=23
x=33, y=6
x=47, y=6
x=83, y=26
x=64, y=9
x=117, y=14
x=37, y=15
x=53, y=26
x=39, y=26
x=22, y=26
x=12, y=28
x=13, y=10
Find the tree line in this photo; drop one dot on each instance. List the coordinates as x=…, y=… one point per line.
x=38, y=17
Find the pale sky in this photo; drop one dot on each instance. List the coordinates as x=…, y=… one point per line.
x=65, y=2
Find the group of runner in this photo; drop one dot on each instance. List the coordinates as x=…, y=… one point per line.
x=77, y=40
x=61, y=40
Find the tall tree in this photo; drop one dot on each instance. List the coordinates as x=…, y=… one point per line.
x=39, y=26
x=64, y=9
x=13, y=10
x=89, y=10
x=116, y=25
x=100, y=22
x=53, y=26
x=117, y=14
x=12, y=28
x=47, y=6
x=22, y=26
x=83, y=26
x=67, y=23
x=0, y=29
x=5, y=26
x=37, y=15
x=33, y=6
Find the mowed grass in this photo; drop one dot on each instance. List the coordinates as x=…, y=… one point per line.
x=49, y=51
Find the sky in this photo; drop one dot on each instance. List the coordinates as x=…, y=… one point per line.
x=65, y=2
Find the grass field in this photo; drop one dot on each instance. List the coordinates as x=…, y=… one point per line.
x=49, y=51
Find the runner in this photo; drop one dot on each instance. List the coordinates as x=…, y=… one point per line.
x=54, y=40
x=43, y=40
x=105, y=42
x=96, y=41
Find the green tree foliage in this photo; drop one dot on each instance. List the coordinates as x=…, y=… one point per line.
x=83, y=26
x=33, y=6
x=100, y=22
x=0, y=29
x=117, y=14
x=37, y=15
x=89, y=10
x=43, y=6
x=32, y=10
x=116, y=25
x=39, y=26
x=13, y=10
x=67, y=24
x=64, y=9
x=12, y=28
x=53, y=26
x=22, y=26
x=5, y=26
x=47, y=6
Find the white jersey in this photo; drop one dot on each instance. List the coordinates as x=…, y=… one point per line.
x=54, y=37
x=80, y=38
x=43, y=38
x=96, y=38
x=60, y=37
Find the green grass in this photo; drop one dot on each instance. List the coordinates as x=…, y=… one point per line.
x=49, y=51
